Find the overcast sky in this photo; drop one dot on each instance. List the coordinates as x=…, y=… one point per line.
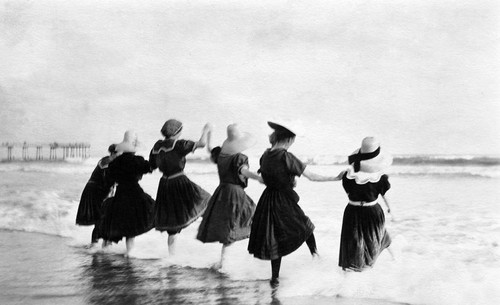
x=423, y=76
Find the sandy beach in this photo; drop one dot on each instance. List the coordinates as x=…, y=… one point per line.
x=51, y=271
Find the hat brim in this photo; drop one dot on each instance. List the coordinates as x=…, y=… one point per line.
x=238, y=145
x=124, y=147
x=381, y=162
x=277, y=126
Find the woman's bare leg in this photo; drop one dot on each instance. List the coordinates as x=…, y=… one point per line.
x=171, y=244
x=130, y=245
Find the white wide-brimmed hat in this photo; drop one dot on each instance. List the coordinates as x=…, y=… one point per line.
x=129, y=144
x=369, y=157
x=236, y=141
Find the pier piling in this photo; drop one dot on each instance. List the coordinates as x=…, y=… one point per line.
x=67, y=150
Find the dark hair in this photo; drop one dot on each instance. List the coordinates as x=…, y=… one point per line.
x=171, y=128
x=280, y=136
x=112, y=148
x=214, y=154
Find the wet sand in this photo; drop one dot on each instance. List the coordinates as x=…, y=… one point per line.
x=45, y=269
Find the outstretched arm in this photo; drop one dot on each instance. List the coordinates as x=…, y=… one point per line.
x=204, y=133
x=209, y=141
x=320, y=178
x=247, y=173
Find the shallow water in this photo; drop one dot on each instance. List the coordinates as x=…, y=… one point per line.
x=48, y=271
x=446, y=237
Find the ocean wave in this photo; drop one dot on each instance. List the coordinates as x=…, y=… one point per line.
x=63, y=168
x=413, y=160
x=417, y=165
x=445, y=171
x=450, y=160
x=37, y=211
x=448, y=174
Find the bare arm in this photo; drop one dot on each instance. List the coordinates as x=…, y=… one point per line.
x=247, y=173
x=209, y=141
x=386, y=200
x=320, y=178
x=203, y=139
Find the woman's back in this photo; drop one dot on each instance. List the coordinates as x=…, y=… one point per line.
x=169, y=155
x=128, y=168
x=279, y=167
x=229, y=166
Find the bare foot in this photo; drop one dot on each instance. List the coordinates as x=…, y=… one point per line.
x=92, y=245
x=216, y=266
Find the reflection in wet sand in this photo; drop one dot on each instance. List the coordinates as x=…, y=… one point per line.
x=114, y=279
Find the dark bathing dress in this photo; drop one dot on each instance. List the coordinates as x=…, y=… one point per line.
x=95, y=191
x=179, y=201
x=131, y=211
x=279, y=225
x=363, y=234
x=228, y=216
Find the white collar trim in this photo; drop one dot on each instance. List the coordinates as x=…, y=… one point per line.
x=363, y=177
x=165, y=149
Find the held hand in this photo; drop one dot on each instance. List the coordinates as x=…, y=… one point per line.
x=260, y=180
x=204, y=136
x=393, y=219
x=340, y=175
x=207, y=127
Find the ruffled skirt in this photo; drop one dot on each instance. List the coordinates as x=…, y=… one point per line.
x=89, y=209
x=363, y=236
x=228, y=217
x=179, y=202
x=279, y=225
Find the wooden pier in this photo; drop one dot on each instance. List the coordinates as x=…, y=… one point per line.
x=35, y=151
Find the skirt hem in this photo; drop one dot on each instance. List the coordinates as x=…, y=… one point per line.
x=166, y=228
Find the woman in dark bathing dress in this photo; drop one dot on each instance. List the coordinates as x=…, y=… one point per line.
x=96, y=190
x=179, y=201
x=279, y=226
x=228, y=217
x=363, y=234
x=131, y=211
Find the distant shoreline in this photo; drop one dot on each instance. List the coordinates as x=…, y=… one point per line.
x=398, y=160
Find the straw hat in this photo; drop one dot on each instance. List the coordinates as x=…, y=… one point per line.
x=369, y=157
x=129, y=143
x=171, y=128
x=237, y=141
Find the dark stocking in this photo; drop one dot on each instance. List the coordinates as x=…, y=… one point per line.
x=275, y=266
x=94, y=236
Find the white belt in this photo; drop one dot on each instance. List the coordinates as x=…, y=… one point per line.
x=173, y=176
x=363, y=203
